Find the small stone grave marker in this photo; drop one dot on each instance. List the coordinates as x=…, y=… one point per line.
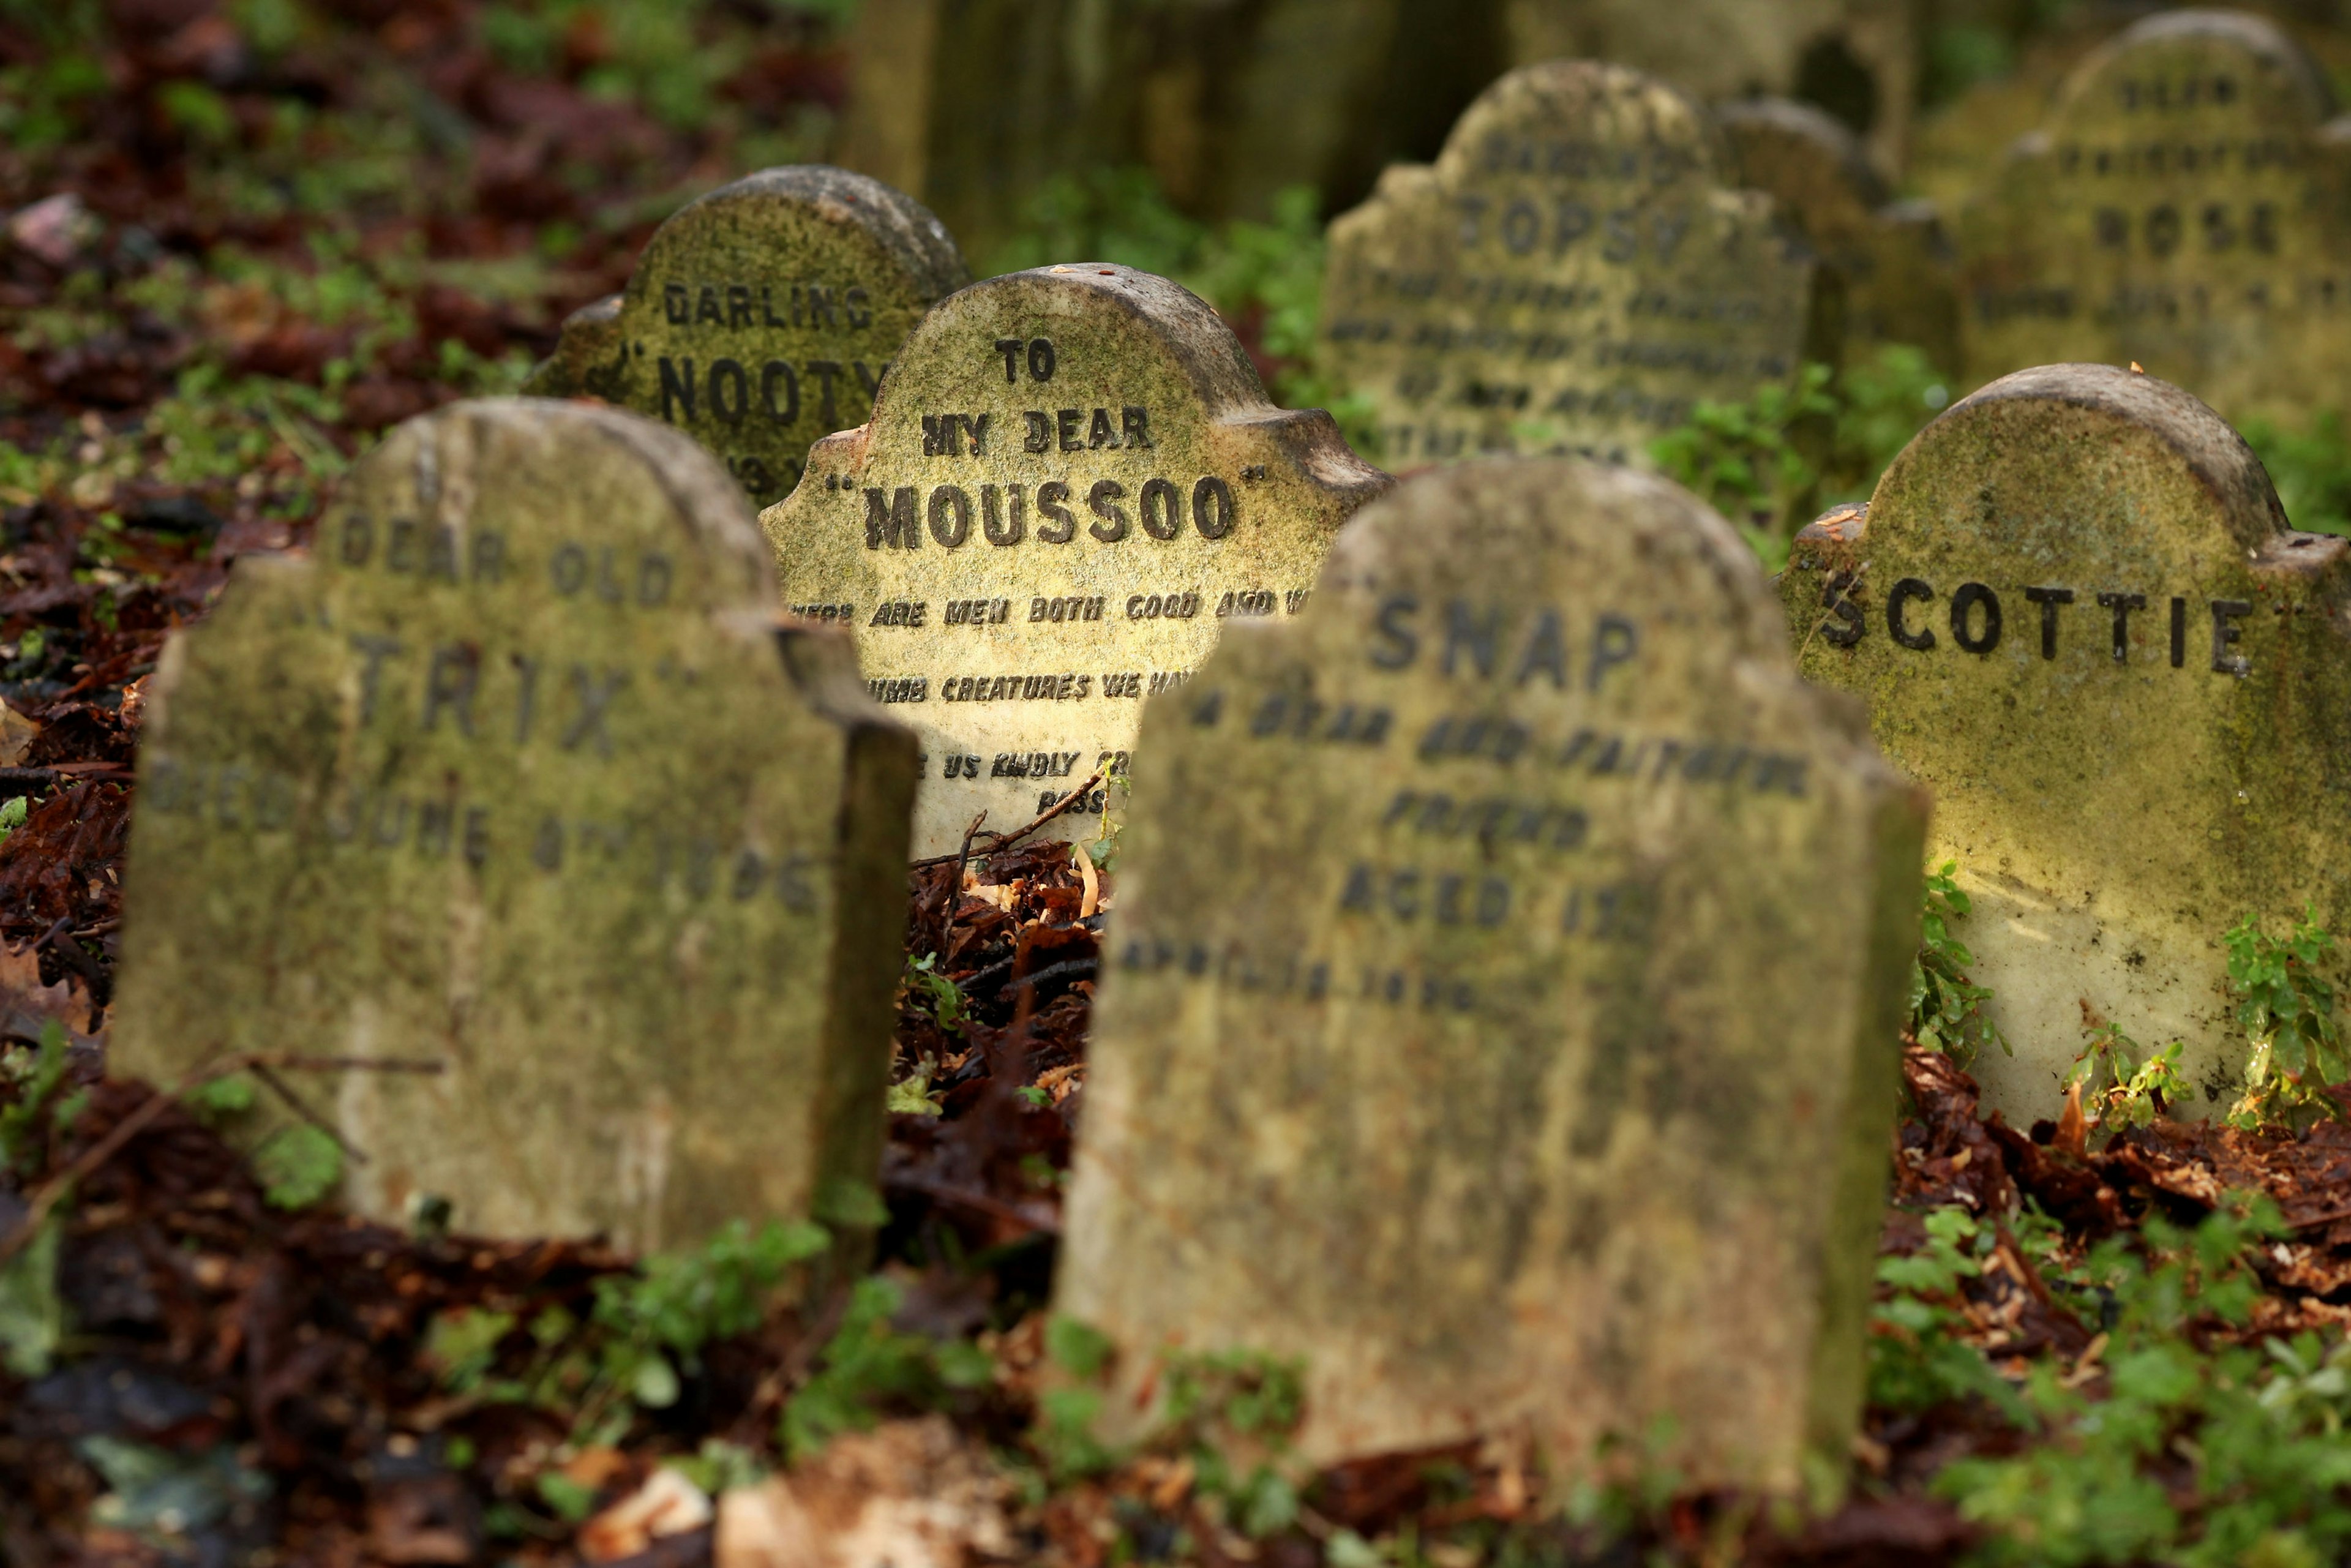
x=2186, y=207
x=2077, y=614
x=1571, y=275
x=1071, y=482
x=511, y=776
x=1899, y=270
x=761, y=317
x=1500, y=1013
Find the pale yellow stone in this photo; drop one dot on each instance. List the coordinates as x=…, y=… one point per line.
x=762, y=315
x=2115, y=800
x=511, y=777
x=2187, y=206
x=1071, y=482
x=1501, y=1006
x=1571, y=276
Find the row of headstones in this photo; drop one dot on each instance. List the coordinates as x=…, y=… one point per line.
x=1501, y=1009
x=1593, y=255
x=1486, y=899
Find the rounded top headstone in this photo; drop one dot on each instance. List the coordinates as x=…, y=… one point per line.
x=2281, y=62
x=762, y=315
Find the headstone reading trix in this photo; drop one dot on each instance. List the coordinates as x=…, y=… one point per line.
x=2078, y=616
x=1071, y=484
x=1501, y=1009
x=1571, y=275
x=512, y=777
x=2189, y=209
x=762, y=315
x=1898, y=267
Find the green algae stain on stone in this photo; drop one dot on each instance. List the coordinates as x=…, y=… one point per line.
x=761, y=317
x=1071, y=484
x=1571, y=275
x=2187, y=207
x=511, y=777
x=2077, y=615
x=1500, y=1010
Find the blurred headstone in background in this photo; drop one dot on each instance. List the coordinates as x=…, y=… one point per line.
x=1898, y=267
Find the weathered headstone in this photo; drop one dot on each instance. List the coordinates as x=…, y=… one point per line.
x=1858, y=56
x=1071, y=484
x=1571, y=275
x=1899, y=270
x=2188, y=207
x=511, y=776
x=1502, y=1003
x=762, y=315
x=2077, y=614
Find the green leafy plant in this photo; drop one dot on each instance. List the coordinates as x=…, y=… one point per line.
x=2287, y=1011
x=868, y=1364
x=2122, y=1088
x=1748, y=459
x=32, y=1078
x=1916, y=1360
x=299, y=1164
x=934, y=993
x=1947, y=1008
x=2311, y=468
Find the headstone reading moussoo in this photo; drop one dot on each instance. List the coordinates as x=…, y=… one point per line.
x=516, y=775
x=1501, y=1009
x=2077, y=614
x=761, y=317
x=1071, y=482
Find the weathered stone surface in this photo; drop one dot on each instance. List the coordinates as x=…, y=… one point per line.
x=1073, y=480
x=1901, y=283
x=1503, y=995
x=762, y=315
x=1571, y=275
x=1859, y=56
x=2188, y=207
x=510, y=776
x=2128, y=686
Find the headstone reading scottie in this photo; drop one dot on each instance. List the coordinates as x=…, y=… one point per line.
x=1571, y=275
x=512, y=777
x=1072, y=482
x=1500, y=1013
x=762, y=315
x=2189, y=209
x=1898, y=267
x=2078, y=616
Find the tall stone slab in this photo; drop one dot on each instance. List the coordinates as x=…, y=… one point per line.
x=2188, y=207
x=2078, y=616
x=762, y=315
x=1899, y=270
x=1071, y=482
x=1501, y=1007
x=1858, y=56
x=517, y=776
x=1571, y=276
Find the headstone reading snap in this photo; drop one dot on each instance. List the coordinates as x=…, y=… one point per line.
x=2188, y=207
x=1071, y=482
x=1571, y=276
x=511, y=777
x=1898, y=267
x=2078, y=616
x=762, y=315
x=1500, y=1013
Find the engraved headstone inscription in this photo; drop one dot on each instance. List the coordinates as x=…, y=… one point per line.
x=2077, y=615
x=2188, y=207
x=761, y=317
x=1571, y=275
x=1901, y=283
x=1071, y=481
x=517, y=777
x=1501, y=1009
